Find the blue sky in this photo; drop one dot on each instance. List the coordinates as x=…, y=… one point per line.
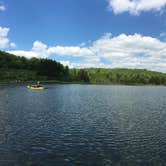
x=83, y=33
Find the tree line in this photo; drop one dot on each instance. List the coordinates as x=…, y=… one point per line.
x=12, y=66
x=20, y=68
x=118, y=76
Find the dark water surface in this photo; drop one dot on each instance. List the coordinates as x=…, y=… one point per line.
x=72, y=125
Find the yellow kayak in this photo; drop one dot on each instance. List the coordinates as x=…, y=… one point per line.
x=35, y=87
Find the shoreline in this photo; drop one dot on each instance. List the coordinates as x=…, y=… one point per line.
x=72, y=82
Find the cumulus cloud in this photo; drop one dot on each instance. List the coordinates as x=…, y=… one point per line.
x=39, y=50
x=72, y=50
x=135, y=7
x=123, y=51
x=4, y=40
x=2, y=8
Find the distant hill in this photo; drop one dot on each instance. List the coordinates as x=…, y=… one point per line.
x=20, y=68
x=119, y=76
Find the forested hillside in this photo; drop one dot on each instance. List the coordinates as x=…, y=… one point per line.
x=118, y=76
x=20, y=68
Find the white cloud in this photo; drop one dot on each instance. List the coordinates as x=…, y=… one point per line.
x=4, y=31
x=12, y=45
x=72, y=50
x=135, y=7
x=40, y=49
x=2, y=8
x=4, y=40
x=128, y=51
x=27, y=54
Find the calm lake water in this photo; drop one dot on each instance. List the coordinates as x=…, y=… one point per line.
x=86, y=125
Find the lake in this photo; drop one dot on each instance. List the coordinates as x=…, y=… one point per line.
x=87, y=125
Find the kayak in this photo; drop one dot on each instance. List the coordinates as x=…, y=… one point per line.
x=35, y=87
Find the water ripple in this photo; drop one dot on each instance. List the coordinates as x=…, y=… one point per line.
x=83, y=125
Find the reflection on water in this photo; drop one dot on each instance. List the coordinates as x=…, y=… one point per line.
x=83, y=125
